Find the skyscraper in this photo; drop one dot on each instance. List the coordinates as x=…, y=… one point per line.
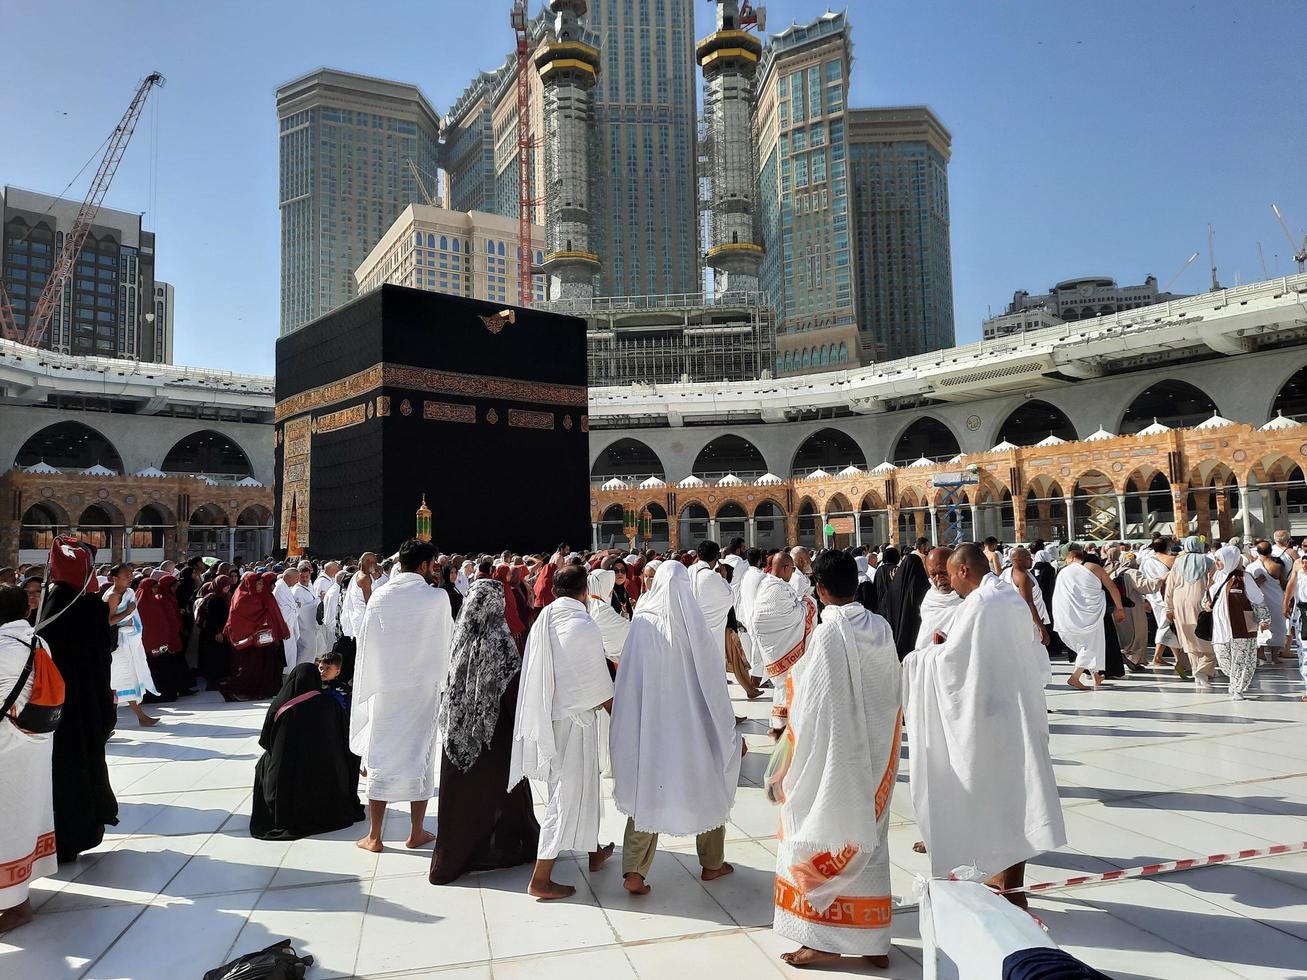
x=803, y=194
x=645, y=206
x=898, y=162
x=345, y=145
x=107, y=308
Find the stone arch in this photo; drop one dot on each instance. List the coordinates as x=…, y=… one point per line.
x=69, y=445
x=1170, y=401
x=692, y=519
x=39, y=525
x=729, y=453
x=1033, y=420
x=731, y=502
x=828, y=449
x=769, y=524
x=838, y=503
x=732, y=519
x=150, y=527
x=1149, y=502
x=925, y=436
x=872, y=500
x=255, y=515
x=101, y=525
x=1291, y=398
x=628, y=459
x=1094, y=503
x=611, y=525
x=209, y=515
x=808, y=520
x=208, y=452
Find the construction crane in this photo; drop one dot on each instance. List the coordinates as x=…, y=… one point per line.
x=1171, y=282
x=1299, y=251
x=39, y=320
x=1211, y=257
x=1262, y=259
x=428, y=196
x=525, y=202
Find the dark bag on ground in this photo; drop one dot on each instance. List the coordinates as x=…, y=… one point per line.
x=277, y=962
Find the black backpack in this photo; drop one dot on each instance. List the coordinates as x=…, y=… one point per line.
x=277, y=962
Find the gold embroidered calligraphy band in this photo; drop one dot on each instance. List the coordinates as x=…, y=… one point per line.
x=434, y=382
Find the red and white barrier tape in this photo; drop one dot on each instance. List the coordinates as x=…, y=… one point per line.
x=1147, y=870
x=1167, y=867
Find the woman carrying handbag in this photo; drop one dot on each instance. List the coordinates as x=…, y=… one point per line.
x=1237, y=610
x=255, y=630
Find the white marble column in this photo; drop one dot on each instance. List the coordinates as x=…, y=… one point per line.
x=857, y=529
x=1120, y=516
x=1070, y=518
x=751, y=532
x=976, y=536
x=712, y=529
x=594, y=536
x=934, y=525
x=1245, y=508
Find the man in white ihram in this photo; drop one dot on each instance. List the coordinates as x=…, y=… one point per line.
x=780, y=623
x=308, y=634
x=1078, y=608
x=564, y=688
x=402, y=661
x=983, y=788
x=940, y=603
x=676, y=752
x=283, y=593
x=832, y=890
x=714, y=593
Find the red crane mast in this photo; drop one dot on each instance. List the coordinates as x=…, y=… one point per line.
x=39, y=320
x=525, y=202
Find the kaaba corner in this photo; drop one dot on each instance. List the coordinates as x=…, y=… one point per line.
x=405, y=394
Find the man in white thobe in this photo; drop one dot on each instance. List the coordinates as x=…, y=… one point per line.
x=1078, y=609
x=713, y=593
x=308, y=636
x=565, y=687
x=983, y=788
x=780, y=625
x=800, y=581
x=289, y=605
x=401, y=663
x=940, y=603
x=750, y=576
x=832, y=890
x=676, y=752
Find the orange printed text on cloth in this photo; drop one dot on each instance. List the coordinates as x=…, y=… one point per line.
x=851, y=913
x=795, y=652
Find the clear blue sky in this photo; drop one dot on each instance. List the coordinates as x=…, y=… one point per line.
x=1088, y=139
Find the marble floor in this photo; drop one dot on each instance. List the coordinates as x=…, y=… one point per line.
x=1149, y=770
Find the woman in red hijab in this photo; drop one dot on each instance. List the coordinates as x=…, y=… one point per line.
x=161, y=633
x=514, y=613
x=254, y=632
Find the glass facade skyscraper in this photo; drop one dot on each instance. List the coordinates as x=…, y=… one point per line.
x=898, y=161
x=345, y=144
x=803, y=194
x=646, y=211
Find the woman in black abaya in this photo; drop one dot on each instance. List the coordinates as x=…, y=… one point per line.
x=902, y=606
x=306, y=783
x=480, y=825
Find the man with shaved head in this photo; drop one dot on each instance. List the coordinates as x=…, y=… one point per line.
x=1019, y=576
x=982, y=781
x=940, y=603
x=801, y=581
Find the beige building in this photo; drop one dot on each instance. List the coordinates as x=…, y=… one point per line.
x=463, y=253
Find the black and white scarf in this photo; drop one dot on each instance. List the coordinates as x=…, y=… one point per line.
x=483, y=660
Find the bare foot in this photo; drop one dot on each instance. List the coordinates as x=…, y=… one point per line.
x=1078, y=684
x=597, y=858
x=421, y=840
x=711, y=874
x=634, y=883
x=919, y=847
x=550, y=891
x=14, y=917
x=806, y=956
x=372, y=844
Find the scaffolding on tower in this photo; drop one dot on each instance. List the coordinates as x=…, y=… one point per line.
x=526, y=202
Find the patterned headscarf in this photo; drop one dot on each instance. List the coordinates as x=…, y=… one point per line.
x=483, y=661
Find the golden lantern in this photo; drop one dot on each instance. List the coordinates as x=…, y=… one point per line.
x=424, y=521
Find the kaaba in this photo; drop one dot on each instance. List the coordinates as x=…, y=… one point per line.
x=405, y=394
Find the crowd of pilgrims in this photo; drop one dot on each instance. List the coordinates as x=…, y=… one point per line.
x=568, y=666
